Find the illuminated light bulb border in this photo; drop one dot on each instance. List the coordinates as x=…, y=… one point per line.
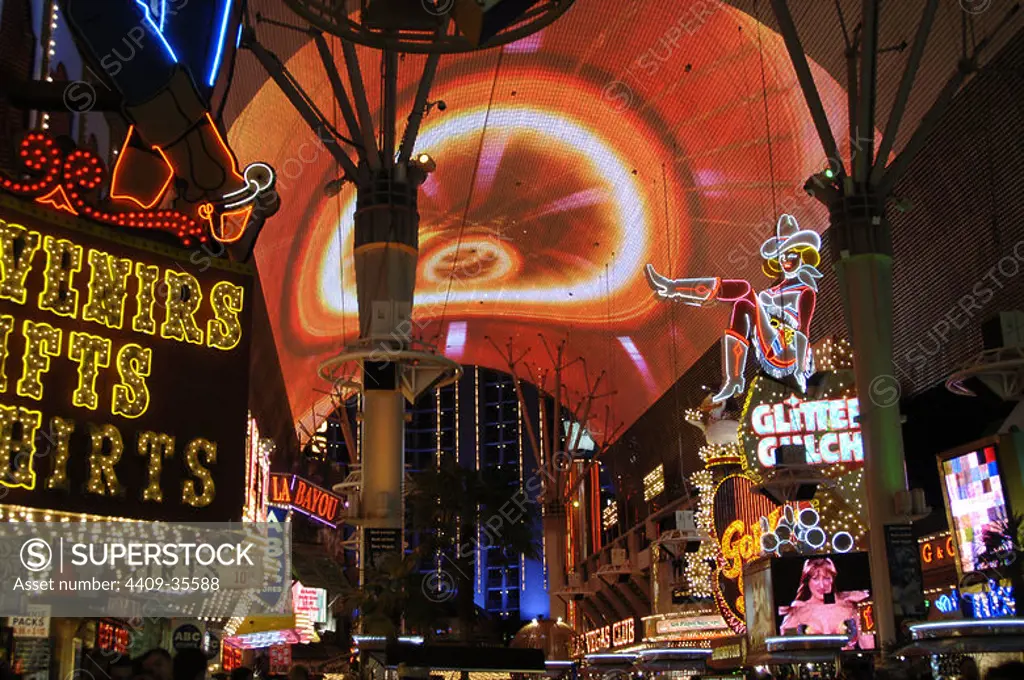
x=654, y=483
x=18, y=513
x=51, y=51
x=842, y=508
x=840, y=512
x=698, y=572
x=66, y=182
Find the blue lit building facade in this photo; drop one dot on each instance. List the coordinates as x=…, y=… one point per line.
x=479, y=422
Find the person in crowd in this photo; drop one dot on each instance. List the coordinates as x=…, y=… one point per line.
x=6, y=672
x=818, y=609
x=122, y=669
x=969, y=669
x=190, y=664
x=1011, y=670
x=298, y=672
x=156, y=663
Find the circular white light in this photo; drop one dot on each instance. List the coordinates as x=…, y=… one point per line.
x=769, y=542
x=842, y=542
x=816, y=537
x=809, y=517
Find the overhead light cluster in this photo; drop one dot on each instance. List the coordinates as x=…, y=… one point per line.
x=610, y=515
x=425, y=163
x=654, y=483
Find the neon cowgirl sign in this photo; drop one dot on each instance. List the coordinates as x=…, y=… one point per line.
x=828, y=429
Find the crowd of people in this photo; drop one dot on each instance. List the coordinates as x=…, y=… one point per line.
x=187, y=664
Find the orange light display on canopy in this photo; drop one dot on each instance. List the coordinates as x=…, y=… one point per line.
x=563, y=167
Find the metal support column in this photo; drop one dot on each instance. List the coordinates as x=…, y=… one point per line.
x=386, y=251
x=862, y=247
x=555, y=542
x=383, y=466
x=863, y=266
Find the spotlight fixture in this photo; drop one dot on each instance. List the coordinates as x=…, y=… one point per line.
x=333, y=188
x=426, y=163
x=823, y=185
x=441, y=106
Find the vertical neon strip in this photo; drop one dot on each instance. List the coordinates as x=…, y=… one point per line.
x=570, y=537
x=156, y=29
x=238, y=38
x=457, y=421
x=437, y=414
x=220, y=43
x=519, y=433
x=476, y=435
x=544, y=534
x=595, y=508
x=163, y=14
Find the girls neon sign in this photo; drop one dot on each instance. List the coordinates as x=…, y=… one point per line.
x=828, y=429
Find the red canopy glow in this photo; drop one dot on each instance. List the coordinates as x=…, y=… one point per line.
x=567, y=161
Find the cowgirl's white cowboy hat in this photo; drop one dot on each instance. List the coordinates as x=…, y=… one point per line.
x=789, y=236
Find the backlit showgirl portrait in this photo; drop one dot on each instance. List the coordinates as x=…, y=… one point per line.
x=818, y=609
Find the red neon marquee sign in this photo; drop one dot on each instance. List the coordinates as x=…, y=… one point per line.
x=300, y=494
x=937, y=551
x=112, y=638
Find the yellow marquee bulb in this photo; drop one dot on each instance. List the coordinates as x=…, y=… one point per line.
x=102, y=478
x=61, y=430
x=156, y=446
x=108, y=288
x=92, y=353
x=42, y=341
x=13, y=273
x=63, y=260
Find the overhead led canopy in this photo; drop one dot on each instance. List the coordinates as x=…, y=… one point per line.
x=564, y=164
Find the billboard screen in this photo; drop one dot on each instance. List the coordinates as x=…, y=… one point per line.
x=653, y=160
x=824, y=595
x=976, y=501
x=757, y=593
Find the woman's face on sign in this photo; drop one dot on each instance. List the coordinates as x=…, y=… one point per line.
x=790, y=261
x=820, y=584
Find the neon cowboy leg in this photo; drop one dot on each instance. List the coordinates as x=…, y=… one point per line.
x=166, y=82
x=696, y=292
x=204, y=33
x=124, y=39
x=736, y=345
x=804, y=367
x=235, y=203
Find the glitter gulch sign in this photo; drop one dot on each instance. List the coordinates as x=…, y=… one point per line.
x=828, y=429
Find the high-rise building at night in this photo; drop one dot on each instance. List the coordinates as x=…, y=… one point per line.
x=478, y=421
